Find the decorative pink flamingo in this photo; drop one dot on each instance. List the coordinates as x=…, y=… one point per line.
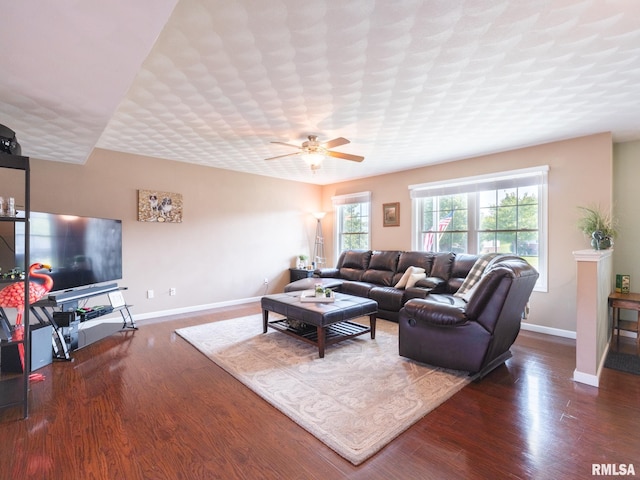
x=12, y=296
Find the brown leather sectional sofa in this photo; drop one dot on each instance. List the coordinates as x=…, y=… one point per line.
x=373, y=274
x=471, y=333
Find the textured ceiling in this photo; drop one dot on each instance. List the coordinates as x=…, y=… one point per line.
x=213, y=82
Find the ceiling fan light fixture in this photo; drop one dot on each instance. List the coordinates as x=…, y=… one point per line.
x=313, y=152
x=313, y=159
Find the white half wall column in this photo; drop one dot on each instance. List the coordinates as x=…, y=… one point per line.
x=594, y=285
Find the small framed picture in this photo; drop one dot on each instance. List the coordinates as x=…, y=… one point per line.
x=623, y=283
x=391, y=214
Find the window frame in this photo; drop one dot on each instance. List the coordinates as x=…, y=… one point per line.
x=472, y=186
x=339, y=203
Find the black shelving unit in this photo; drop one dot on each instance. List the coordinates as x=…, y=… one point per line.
x=14, y=388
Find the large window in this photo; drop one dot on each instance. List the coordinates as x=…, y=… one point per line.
x=352, y=214
x=503, y=213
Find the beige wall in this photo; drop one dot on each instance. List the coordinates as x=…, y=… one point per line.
x=580, y=173
x=237, y=228
x=626, y=198
x=240, y=228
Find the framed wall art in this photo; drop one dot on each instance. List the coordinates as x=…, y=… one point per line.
x=160, y=207
x=391, y=214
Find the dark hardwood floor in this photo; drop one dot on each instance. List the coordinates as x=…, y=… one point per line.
x=147, y=405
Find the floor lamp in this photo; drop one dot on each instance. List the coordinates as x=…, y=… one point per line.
x=318, y=249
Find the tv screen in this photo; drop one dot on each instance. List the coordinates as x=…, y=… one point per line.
x=82, y=251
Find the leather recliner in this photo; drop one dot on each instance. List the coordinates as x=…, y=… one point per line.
x=474, y=336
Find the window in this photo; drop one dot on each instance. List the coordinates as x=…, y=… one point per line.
x=352, y=221
x=504, y=213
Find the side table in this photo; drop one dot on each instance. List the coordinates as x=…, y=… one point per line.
x=626, y=301
x=299, y=274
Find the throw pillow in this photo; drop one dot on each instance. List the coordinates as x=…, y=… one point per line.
x=414, y=277
x=475, y=273
x=405, y=278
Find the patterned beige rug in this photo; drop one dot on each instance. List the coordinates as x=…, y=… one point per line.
x=356, y=399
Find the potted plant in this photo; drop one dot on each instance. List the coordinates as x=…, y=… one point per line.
x=600, y=227
x=302, y=261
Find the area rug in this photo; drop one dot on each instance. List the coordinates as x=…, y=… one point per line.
x=624, y=362
x=356, y=399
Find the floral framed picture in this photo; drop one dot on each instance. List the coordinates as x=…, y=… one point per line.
x=391, y=214
x=160, y=207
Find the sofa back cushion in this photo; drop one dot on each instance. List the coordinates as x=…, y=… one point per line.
x=441, y=270
x=382, y=268
x=353, y=263
x=413, y=259
x=462, y=265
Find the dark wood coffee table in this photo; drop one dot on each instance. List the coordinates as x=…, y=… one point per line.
x=327, y=323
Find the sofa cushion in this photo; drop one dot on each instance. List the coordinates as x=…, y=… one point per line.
x=382, y=268
x=441, y=269
x=359, y=289
x=379, y=277
x=388, y=298
x=310, y=284
x=357, y=259
x=460, y=268
x=352, y=274
x=384, y=260
x=413, y=259
x=353, y=263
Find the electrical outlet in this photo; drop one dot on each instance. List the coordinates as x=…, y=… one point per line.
x=149, y=293
x=172, y=291
x=266, y=281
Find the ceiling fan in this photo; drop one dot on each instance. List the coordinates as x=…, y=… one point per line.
x=313, y=152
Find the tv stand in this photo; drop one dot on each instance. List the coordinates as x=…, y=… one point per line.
x=60, y=310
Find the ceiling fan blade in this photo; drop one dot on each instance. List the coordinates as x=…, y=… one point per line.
x=287, y=144
x=346, y=156
x=336, y=142
x=282, y=156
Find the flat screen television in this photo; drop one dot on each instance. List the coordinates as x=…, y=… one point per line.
x=82, y=251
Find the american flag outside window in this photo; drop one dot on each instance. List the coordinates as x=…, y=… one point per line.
x=430, y=237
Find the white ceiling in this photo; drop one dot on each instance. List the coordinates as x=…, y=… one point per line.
x=410, y=83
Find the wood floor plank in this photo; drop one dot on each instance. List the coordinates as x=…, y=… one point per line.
x=147, y=405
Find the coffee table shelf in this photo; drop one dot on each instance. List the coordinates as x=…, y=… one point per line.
x=327, y=323
x=334, y=333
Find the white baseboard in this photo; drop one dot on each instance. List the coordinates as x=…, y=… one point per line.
x=548, y=330
x=586, y=378
x=593, y=380
x=192, y=309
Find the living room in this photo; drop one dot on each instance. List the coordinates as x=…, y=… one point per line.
x=229, y=241
x=170, y=370
x=249, y=222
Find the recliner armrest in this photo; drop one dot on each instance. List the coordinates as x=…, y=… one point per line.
x=432, y=283
x=416, y=292
x=327, y=272
x=433, y=313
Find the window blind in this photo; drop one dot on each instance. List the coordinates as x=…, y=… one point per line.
x=512, y=179
x=360, y=197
